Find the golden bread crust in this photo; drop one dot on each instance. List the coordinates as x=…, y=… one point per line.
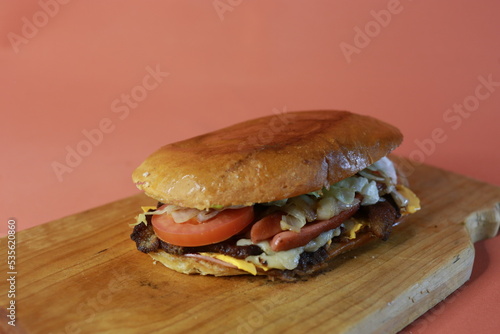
x=265, y=159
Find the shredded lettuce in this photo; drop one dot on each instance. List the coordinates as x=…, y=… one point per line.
x=328, y=202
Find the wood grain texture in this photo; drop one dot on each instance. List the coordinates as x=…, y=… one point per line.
x=82, y=274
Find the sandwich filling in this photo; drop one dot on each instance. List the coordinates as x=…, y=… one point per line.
x=292, y=235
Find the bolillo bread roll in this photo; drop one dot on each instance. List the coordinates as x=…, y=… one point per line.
x=305, y=187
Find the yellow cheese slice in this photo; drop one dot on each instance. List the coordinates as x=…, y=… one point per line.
x=352, y=233
x=240, y=264
x=147, y=208
x=413, y=201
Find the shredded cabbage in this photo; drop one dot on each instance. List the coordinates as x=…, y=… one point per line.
x=179, y=214
x=370, y=193
x=141, y=218
x=327, y=208
x=328, y=202
x=294, y=219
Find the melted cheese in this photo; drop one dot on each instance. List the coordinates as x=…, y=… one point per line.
x=352, y=232
x=147, y=208
x=141, y=217
x=413, y=201
x=240, y=264
x=352, y=226
x=288, y=259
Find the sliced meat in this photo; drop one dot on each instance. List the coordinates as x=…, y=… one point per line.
x=380, y=217
x=266, y=227
x=287, y=240
x=227, y=247
x=145, y=238
x=171, y=249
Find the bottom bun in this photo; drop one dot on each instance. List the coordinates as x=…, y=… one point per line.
x=194, y=265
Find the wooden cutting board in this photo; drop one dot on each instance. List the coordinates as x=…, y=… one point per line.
x=82, y=274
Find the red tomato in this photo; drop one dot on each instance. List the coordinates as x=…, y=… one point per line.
x=193, y=233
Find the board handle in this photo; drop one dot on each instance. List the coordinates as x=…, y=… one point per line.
x=483, y=224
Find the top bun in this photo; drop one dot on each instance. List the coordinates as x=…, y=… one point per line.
x=265, y=159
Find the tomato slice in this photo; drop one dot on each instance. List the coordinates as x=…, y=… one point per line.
x=193, y=233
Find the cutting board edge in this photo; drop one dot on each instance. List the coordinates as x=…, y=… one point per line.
x=483, y=224
x=421, y=297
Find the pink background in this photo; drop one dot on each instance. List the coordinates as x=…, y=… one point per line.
x=67, y=69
